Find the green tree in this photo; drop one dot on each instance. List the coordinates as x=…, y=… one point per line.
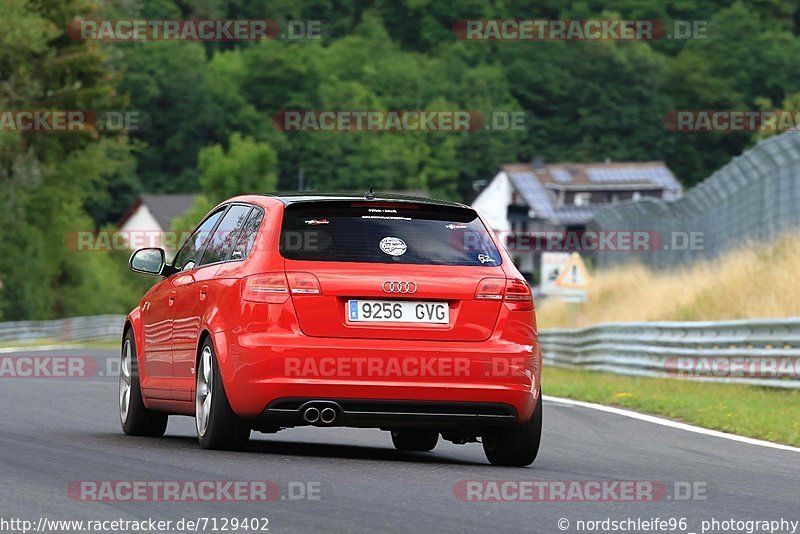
x=248, y=166
x=46, y=178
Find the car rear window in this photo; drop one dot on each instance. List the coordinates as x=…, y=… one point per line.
x=386, y=232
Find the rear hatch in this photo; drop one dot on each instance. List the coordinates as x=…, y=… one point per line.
x=390, y=270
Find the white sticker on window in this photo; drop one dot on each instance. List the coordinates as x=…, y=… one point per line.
x=483, y=258
x=393, y=246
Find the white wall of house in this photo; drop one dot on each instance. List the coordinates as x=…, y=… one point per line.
x=492, y=203
x=524, y=262
x=142, y=230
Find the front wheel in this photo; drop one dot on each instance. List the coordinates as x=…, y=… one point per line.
x=218, y=427
x=135, y=418
x=518, y=446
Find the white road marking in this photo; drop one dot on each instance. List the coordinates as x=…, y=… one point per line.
x=672, y=424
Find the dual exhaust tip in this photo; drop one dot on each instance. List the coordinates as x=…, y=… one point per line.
x=319, y=415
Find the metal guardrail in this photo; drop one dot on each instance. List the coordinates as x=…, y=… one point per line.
x=72, y=329
x=663, y=349
x=762, y=352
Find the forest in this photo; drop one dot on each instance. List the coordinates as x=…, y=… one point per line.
x=209, y=109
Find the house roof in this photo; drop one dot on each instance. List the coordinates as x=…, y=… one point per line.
x=600, y=175
x=163, y=207
x=538, y=184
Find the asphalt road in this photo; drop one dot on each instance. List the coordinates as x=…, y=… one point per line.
x=54, y=431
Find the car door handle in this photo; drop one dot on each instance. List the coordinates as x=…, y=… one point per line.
x=203, y=292
x=172, y=296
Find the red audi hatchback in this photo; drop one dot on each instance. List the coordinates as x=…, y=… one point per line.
x=399, y=313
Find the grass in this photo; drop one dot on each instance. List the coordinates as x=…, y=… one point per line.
x=750, y=282
x=89, y=344
x=753, y=281
x=765, y=413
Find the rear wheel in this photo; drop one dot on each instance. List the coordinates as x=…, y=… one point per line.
x=218, y=427
x=415, y=440
x=135, y=418
x=518, y=446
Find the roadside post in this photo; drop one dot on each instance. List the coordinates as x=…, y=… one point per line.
x=565, y=275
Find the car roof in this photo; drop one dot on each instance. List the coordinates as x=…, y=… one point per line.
x=297, y=197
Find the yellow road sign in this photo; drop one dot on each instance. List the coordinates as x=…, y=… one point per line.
x=574, y=275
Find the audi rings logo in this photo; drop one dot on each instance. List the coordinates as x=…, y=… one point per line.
x=392, y=286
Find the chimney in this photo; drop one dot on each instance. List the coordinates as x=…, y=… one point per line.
x=538, y=162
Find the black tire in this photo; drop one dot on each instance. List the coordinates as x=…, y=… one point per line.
x=518, y=446
x=224, y=429
x=415, y=440
x=136, y=420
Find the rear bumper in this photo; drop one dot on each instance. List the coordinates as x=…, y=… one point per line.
x=269, y=378
x=392, y=414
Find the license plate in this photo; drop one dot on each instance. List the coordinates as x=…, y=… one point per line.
x=398, y=311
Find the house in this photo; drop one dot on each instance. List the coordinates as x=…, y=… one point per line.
x=524, y=199
x=148, y=222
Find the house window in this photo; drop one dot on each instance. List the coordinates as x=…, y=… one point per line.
x=583, y=199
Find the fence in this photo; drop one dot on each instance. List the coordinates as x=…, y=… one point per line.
x=758, y=352
x=73, y=329
x=754, y=197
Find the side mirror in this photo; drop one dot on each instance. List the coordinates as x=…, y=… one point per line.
x=148, y=261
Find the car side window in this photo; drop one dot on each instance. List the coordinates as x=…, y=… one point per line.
x=222, y=240
x=247, y=236
x=187, y=255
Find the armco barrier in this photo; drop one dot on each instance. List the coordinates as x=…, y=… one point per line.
x=666, y=349
x=72, y=329
x=684, y=349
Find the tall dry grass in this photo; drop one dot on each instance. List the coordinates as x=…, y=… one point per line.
x=749, y=282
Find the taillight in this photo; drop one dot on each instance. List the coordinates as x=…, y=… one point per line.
x=268, y=287
x=303, y=284
x=518, y=295
x=491, y=289
x=514, y=292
